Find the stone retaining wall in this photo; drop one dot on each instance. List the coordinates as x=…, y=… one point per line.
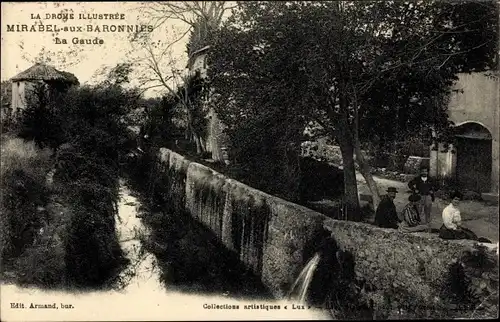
x=271, y=236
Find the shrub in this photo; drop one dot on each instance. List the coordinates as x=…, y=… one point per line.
x=23, y=172
x=88, y=167
x=43, y=264
x=93, y=253
x=33, y=225
x=40, y=124
x=319, y=180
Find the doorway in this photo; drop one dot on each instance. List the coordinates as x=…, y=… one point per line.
x=474, y=157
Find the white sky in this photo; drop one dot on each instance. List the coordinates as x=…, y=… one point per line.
x=90, y=58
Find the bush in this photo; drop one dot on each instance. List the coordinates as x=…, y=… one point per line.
x=43, y=264
x=40, y=124
x=23, y=172
x=88, y=166
x=33, y=225
x=93, y=253
x=447, y=185
x=319, y=180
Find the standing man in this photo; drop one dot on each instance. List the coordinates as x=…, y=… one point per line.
x=386, y=215
x=423, y=186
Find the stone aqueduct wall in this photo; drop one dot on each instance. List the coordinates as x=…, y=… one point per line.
x=269, y=234
x=271, y=237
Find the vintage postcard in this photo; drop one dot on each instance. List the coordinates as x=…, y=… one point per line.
x=264, y=160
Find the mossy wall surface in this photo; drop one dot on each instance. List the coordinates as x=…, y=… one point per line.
x=274, y=238
x=419, y=272
x=268, y=234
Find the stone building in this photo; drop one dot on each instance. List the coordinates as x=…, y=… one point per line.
x=473, y=161
x=216, y=140
x=24, y=84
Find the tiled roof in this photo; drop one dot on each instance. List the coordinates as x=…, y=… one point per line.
x=45, y=72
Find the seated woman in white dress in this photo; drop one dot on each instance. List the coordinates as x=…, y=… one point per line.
x=452, y=227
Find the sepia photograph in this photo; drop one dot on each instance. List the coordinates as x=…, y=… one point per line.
x=249, y=160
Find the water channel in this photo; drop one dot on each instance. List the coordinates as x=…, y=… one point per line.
x=163, y=282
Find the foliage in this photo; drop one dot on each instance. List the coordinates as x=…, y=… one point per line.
x=476, y=24
x=32, y=227
x=263, y=131
x=23, y=192
x=185, y=108
x=92, y=250
x=316, y=180
x=200, y=36
x=193, y=93
x=118, y=75
x=347, y=66
x=94, y=120
x=267, y=154
x=43, y=263
x=6, y=93
x=39, y=121
x=88, y=166
x=163, y=123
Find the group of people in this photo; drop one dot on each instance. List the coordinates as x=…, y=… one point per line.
x=416, y=215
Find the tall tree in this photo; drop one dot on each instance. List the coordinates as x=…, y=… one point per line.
x=352, y=67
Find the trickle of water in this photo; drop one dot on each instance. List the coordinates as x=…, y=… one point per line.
x=143, y=273
x=298, y=291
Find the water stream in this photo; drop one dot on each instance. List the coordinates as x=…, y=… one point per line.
x=143, y=271
x=141, y=294
x=300, y=287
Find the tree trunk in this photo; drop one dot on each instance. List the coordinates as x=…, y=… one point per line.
x=364, y=168
x=199, y=145
x=193, y=136
x=292, y=173
x=345, y=138
x=215, y=135
x=351, y=201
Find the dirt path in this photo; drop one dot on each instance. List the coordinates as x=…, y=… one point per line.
x=479, y=217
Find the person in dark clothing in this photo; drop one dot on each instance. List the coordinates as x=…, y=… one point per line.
x=424, y=186
x=386, y=215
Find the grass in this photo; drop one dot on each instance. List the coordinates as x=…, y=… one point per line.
x=25, y=227
x=17, y=153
